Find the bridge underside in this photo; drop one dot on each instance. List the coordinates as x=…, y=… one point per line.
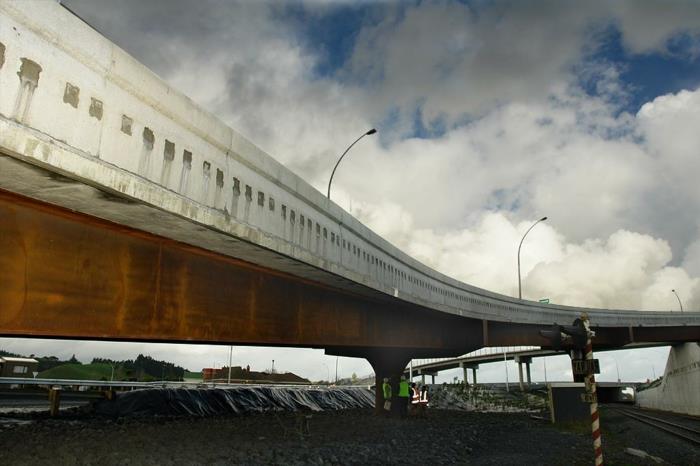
x=69, y=275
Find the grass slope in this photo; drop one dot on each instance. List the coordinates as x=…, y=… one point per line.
x=79, y=372
x=193, y=375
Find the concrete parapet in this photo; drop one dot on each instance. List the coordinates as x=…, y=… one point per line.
x=679, y=389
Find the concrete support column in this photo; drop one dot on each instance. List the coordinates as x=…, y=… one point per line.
x=523, y=360
x=474, y=374
x=422, y=379
x=390, y=364
x=464, y=372
x=529, y=378
x=520, y=376
x=433, y=376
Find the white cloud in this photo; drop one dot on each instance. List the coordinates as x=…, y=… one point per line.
x=626, y=270
x=649, y=25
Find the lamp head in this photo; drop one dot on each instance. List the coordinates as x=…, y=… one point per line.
x=543, y=219
x=370, y=132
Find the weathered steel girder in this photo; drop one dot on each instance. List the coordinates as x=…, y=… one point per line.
x=69, y=275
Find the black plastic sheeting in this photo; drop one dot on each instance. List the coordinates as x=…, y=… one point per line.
x=232, y=400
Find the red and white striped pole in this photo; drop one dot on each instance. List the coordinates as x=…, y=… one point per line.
x=591, y=390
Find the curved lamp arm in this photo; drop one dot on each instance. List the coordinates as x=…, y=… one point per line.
x=372, y=131
x=520, y=288
x=679, y=300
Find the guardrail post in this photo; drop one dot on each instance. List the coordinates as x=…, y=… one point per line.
x=54, y=401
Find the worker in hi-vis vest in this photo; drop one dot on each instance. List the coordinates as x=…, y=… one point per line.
x=403, y=396
x=423, y=401
x=386, y=389
x=415, y=399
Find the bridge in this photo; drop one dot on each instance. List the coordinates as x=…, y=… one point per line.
x=522, y=355
x=129, y=213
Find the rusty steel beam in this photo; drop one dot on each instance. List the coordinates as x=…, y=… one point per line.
x=69, y=275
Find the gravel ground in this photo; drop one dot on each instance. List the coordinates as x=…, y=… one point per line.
x=353, y=437
x=622, y=432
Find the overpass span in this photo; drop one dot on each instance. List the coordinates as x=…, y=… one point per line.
x=127, y=212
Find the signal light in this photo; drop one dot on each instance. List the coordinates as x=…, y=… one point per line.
x=555, y=336
x=561, y=336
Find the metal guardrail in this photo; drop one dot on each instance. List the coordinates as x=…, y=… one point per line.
x=76, y=382
x=156, y=384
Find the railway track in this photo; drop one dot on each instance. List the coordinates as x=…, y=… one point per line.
x=685, y=432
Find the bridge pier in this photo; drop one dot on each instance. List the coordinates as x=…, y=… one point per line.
x=423, y=373
x=465, y=368
x=387, y=363
x=527, y=360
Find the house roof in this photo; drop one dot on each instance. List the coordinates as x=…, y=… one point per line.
x=11, y=359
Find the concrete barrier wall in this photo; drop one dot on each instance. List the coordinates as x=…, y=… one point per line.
x=679, y=390
x=75, y=103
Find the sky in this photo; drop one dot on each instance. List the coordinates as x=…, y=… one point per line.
x=490, y=115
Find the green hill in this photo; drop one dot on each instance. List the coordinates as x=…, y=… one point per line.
x=193, y=375
x=96, y=371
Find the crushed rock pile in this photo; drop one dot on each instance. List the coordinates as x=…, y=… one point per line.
x=485, y=400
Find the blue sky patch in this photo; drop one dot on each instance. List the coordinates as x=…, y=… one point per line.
x=332, y=35
x=646, y=76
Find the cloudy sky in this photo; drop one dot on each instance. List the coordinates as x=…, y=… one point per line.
x=490, y=115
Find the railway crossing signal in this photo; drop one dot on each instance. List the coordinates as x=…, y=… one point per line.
x=561, y=336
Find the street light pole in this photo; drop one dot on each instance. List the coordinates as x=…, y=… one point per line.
x=520, y=286
x=328, y=373
x=544, y=363
x=679, y=300
x=368, y=133
x=230, y=356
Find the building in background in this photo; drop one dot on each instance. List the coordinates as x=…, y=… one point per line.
x=18, y=367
